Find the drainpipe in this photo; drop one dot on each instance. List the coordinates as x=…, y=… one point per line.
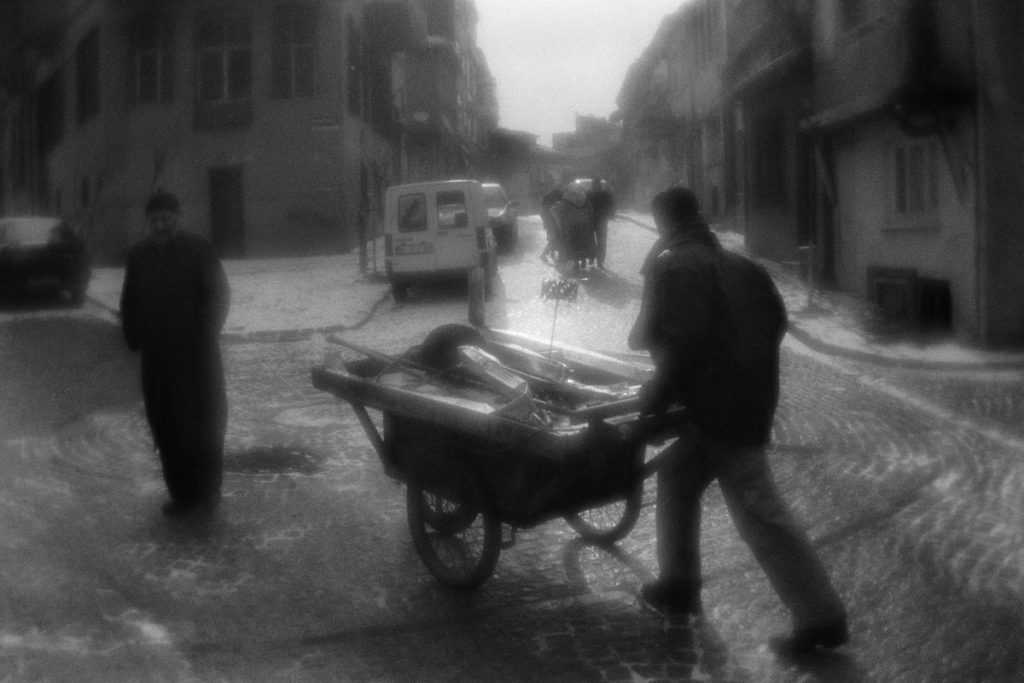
x=980, y=197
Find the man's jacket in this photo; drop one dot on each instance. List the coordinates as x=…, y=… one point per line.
x=175, y=297
x=713, y=321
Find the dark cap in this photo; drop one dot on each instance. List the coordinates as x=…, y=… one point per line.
x=676, y=204
x=161, y=200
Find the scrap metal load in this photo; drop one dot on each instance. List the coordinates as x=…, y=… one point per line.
x=546, y=430
x=457, y=365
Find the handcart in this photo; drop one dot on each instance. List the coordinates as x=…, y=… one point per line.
x=547, y=432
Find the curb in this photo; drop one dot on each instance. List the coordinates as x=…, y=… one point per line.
x=815, y=344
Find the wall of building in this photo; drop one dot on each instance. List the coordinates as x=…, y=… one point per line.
x=312, y=167
x=1001, y=109
x=864, y=59
x=772, y=181
x=296, y=175
x=870, y=233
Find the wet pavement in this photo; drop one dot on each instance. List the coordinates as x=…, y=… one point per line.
x=908, y=481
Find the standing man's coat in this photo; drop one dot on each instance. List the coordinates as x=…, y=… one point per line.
x=576, y=225
x=173, y=305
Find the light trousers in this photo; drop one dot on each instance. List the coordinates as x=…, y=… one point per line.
x=762, y=518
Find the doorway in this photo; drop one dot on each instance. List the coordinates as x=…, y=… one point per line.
x=227, y=211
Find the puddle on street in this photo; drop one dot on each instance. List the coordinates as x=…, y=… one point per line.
x=274, y=460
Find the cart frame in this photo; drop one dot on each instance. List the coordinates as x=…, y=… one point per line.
x=468, y=469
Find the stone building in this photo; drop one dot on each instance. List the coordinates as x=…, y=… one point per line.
x=876, y=141
x=446, y=96
x=674, y=112
x=277, y=122
x=917, y=123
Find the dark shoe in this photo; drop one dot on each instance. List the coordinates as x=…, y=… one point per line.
x=804, y=641
x=679, y=597
x=173, y=508
x=184, y=508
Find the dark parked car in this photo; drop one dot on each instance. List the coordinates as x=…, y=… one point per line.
x=502, y=215
x=42, y=254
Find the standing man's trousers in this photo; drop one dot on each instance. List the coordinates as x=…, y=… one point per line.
x=762, y=518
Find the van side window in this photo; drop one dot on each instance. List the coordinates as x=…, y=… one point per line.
x=451, y=210
x=412, y=213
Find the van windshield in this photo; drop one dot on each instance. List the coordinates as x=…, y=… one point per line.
x=494, y=197
x=451, y=210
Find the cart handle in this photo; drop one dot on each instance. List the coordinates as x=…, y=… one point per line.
x=654, y=426
x=377, y=355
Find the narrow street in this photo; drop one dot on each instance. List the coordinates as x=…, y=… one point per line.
x=907, y=480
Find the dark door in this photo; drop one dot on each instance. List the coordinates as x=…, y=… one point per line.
x=227, y=211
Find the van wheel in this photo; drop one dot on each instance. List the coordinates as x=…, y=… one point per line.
x=400, y=291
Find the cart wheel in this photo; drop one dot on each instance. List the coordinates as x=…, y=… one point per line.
x=440, y=348
x=610, y=522
x=444, y=514
x=455, y=532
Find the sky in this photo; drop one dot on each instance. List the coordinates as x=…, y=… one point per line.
x=553, y=59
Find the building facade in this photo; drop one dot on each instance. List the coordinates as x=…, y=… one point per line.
x=446, y=96
x=881, y=137
x=674, y=111
x=917, y=129
x=277, y=122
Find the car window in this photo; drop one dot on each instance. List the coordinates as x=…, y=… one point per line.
x=412, y=212
x=451, y=210
x=494, y=197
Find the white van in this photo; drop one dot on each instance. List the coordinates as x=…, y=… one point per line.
x=436, y=230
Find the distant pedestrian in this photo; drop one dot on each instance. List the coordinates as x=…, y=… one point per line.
x=602, y=202
x=553, y=249
x=174, y=302
x=713, y=322
x=576, y=225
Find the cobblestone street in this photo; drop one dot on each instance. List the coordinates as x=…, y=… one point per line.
x=908, y=481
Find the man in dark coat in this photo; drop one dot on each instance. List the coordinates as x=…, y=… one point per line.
x=554, y=248
x=575, y=222
x=174, y=302
x=603, y=204
x=713, y=322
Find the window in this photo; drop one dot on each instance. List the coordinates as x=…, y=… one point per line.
x=151, y=60
x=916, y=179
x=412, y=213
x=293, y=53
x=87, y=76
x=451, y=210
x=224, y=56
